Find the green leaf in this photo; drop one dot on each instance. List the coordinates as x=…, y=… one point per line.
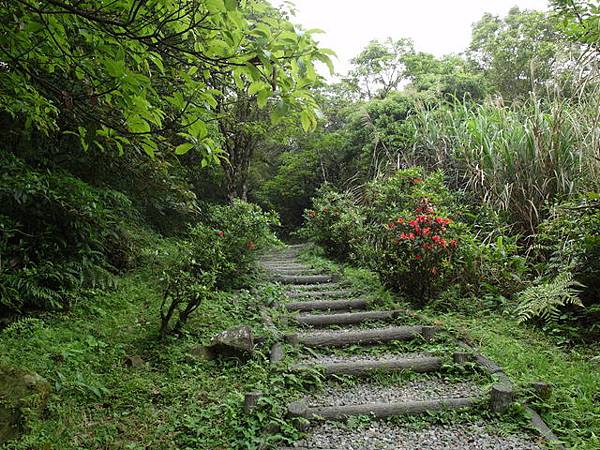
x=184, y=148
x=256, y=86
x=137, y=125
x=262, y=98
x=149, y=147
x=306, y=120
x=198, y=129
x=215, y=6
x=231, y=5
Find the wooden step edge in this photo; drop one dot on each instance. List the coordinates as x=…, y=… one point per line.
x=418, y=364
x=303, y=279
x=320, y=294
x=366, y=336
x=323, y=320
x=381, y=410
x=327, y=305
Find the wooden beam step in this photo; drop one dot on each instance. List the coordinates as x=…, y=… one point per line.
x=364, y=367
x=295, y=272
x=331, y=293
x=323, y=320
x=380, y=410
x=327, y=305
x=368, y=336
x=303, y=279
x=285, y=266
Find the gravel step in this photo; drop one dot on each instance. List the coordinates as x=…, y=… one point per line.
x=387, y=436
x=333, y=286
x=327, y=305
x=368, y=365
x=323, y=320
x=285, y=266
x=380, y=410
x=303, y=279
x=352, y=336
x=320, y=294
x=416, y=390
x=295, y=272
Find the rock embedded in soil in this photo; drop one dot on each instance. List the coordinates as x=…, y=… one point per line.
x=234, y=342
x=134, y=361
x=21, y=395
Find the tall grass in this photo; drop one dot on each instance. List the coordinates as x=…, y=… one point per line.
x=519, y=159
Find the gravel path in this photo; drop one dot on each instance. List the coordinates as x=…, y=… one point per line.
x=328, y=359
x=341, y=395
x=384, y=436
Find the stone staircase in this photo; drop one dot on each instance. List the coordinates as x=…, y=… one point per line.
x=331, y=319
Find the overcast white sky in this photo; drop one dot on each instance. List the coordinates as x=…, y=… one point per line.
x=436, y=26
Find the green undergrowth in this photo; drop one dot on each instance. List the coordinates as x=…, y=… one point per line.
x=526, y=353
x=176, y=399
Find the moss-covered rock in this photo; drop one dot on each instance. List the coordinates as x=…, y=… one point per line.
x=21, y=396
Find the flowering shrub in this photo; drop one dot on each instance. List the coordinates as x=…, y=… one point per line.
x=243, y=229
x=416, y=252
x=216, y=256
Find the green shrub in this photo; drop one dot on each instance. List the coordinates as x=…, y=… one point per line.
x=404, y=191
x=58, y=235
x=492, y=268
x=217, y=255
x=245, y=229
x=384, y=232
x=335, y=223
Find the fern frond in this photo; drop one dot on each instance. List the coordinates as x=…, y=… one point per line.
x=545, y=301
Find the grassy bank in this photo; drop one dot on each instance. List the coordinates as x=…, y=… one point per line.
x=176, y=399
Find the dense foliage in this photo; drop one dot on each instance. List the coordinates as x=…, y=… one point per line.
x=111, y=133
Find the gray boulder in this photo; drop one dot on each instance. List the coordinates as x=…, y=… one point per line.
x=234, y=342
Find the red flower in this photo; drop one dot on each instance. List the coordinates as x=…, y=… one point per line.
x=436, y=238
x=418, y=257
x=412, y=223
x=426, y=231
x=391, y=226
x=404, y=236
x=443, y=242
x=250, y=245
x=221, y=233
x=453, y=243
x=411, y=235
x=400, y=220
